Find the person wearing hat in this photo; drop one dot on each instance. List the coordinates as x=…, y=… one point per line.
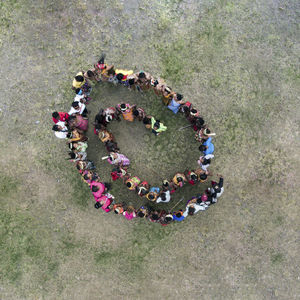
x=203, y=134
x=157, y=126
x=143, y=188
x=166, y=219
x=118, y=159
x=126, y=110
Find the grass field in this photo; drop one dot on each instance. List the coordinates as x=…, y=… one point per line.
x=238, y=61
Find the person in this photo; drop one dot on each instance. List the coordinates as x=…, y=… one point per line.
x=78, y=146
x=144, y=80
x=166, y=185
x=60, y=117
x=118, y=159
x=110, y=114
x=178, y=216
x=78, y=81
x=77, y=121
x=92, y=75
x=60, y=130
x=129, y=213
x=111, y=146
x=119, y=208
x=104, y=202
x=76, y=135
x=89, y=176
x=164, y=197
x=83, y=165
x=166, y=219
x=217, y=188
x=203, y=134
x=76, y=156
x=147, y=122
x=207, y=147
x=204, y=161
x=132, y=182
x=175, y=103
x=158, y=86
x=154, y=216
x=97, y=188
x=157, y=126
x=192, y=208
x=142, y=212
x=179, y=179
x=126, y=110
x=143, y=189
x=78, y=108
x=167, y=95
x=153, y=193
x=139, y=113
x=202, y=175
x=191, y=177
x=118, y=172
x=105, y=135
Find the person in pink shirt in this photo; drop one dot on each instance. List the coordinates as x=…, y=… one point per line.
x=98, y=189
x=129, y=213
x=104, y=202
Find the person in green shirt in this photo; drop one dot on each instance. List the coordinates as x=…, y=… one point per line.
x=157, y=127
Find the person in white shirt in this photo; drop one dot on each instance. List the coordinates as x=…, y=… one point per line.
x=204, y=161
x=60, y=130
x=164, y=197
x=78, y=108
x=193, y=208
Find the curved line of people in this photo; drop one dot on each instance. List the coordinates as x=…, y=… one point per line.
x=73, y=125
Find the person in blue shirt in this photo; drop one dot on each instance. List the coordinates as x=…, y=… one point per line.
x=178, y=216
x=207, y=147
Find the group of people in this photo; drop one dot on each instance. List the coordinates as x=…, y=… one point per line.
x=72, y=126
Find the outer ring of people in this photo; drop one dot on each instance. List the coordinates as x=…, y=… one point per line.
x=73, y=125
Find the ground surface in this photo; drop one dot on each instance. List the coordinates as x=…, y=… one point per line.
x=236, y=60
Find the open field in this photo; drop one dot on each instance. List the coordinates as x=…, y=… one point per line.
x=236, y=60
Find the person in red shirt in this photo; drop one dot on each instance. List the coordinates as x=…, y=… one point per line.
x=60, y=116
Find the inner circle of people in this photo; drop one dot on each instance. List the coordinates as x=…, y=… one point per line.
x=73, y=125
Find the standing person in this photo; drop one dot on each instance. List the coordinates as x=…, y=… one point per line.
x=118, y=159
x=129, y=213
x=207, y=147
x=175, y=103
x=60, y=117
x=132, y=182
x=143, y=189
x=126, y=110
x=60, y=130
x=178, y=216
x=139, y=113
x=157, y=126
x=164, y=197
x=179, y=179
x=204, y=161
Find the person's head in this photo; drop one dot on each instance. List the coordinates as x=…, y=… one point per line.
x=95, y=188
x=72, y=155
x=130, y=209
x=179, y=179
x=107, y=186
x=151, y=196
x=163, y=197
x=178, y=214
x=101, y=60
x=86, y=177
x=120, y=76
x=147, y=121
x=155, y=216
x=78, y=91
x=131, y=81
x=191, y=210
x=56, y=128
x=108, y=118
x=168, y=218
x=217, y=188
x=111, y=72
x=79, y=78
x=129, y=184
x=165, y=183
x=136, y=113
x=193, y=111
x=90, y=73
x=194, y=177
x=75, y=104
x=203, y=198
x=156, y=125
x=203, y=176
x=141, y=214
x=206, y=161
x=206, y=131
x=55, y=115
x=168, y=90
x=123, y=106
x=179, y=97
x=202, y=148
x=97, y=205
x=142, y=75
x=199, y=122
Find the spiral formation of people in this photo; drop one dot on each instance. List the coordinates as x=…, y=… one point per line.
x=73, y=125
